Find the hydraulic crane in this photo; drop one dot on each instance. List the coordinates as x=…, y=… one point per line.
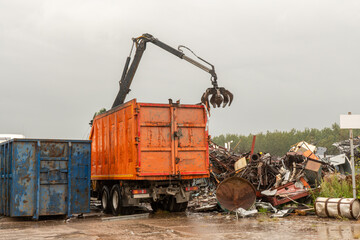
x=218, y=95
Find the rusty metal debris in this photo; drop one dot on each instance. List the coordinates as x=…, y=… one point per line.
x=287, y=193
x=222, y=162
x=273, y=180
x=262, y=172
x=342, y=162
x=344, y=147
x=222, y=166
x=204, y=200
x=234, y=193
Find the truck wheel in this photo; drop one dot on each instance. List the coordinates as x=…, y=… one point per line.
x=183, y=206
x=173, y=206
x=155, y=206
x=105, y=199
x=115, y=201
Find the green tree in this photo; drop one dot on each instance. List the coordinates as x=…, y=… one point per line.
x=277, y=143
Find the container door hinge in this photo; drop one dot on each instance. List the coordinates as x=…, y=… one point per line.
x=137, y=110
x=178, y=133
x=137, y=140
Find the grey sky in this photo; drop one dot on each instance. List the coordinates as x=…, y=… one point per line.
x=290, y=64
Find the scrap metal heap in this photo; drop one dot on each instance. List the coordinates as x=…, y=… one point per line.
x=262, y=171
x=222, y=166
x=222, y=162
x=285, y=179
x=205, y=198
x=344, y=147
x=267, y=172
x=277, y=180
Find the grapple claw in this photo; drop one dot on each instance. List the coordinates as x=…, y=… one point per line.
x=228, y=96
x=212, y=101
x=205, y=98
x=217, y=96
x=226, y=100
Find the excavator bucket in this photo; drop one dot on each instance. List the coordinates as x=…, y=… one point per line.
x=217, y=96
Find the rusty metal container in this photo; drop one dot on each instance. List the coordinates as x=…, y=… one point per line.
x=234, y=193
x=143, y=141
x=44, y=177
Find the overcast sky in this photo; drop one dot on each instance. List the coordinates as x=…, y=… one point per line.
x=289, y=64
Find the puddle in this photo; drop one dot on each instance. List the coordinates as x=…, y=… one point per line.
x=165, y=225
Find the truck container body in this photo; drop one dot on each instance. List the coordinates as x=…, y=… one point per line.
x=142, y=141
x=44, y=177
x=154, y=150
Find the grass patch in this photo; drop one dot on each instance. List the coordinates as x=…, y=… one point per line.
x=335, y=186
x=263, y=210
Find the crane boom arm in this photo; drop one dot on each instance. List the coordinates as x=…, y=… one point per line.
x=140, y=44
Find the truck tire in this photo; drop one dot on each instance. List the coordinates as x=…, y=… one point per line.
x=115, y=200
x=183, y=206
x=105, y=199
x=156, y=206
x=173, y=206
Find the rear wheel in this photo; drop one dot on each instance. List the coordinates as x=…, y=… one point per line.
x=183, y=206
x=105, y=199
x=115, y=201
x=173, y=206
x=156, y=206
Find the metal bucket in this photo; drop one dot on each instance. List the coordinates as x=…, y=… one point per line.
x=337, y=207
x=235, y=192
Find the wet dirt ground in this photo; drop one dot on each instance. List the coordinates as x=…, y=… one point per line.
x=180, y=225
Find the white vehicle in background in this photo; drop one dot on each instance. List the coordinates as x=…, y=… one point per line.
x=5, y=137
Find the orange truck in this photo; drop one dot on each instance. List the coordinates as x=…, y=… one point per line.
x=145, y=152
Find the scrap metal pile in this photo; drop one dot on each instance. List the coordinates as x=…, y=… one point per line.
x=282, y=180
x=204, y=199
x=222, y=162
x=276, y=180
x=341, y=162
x=266, y=172
x=344, y=147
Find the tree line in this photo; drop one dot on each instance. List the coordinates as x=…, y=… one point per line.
x=277, y=143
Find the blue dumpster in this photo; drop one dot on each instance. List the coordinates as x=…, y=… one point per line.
x=40, y=177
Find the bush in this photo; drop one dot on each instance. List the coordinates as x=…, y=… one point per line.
x=336, y=186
